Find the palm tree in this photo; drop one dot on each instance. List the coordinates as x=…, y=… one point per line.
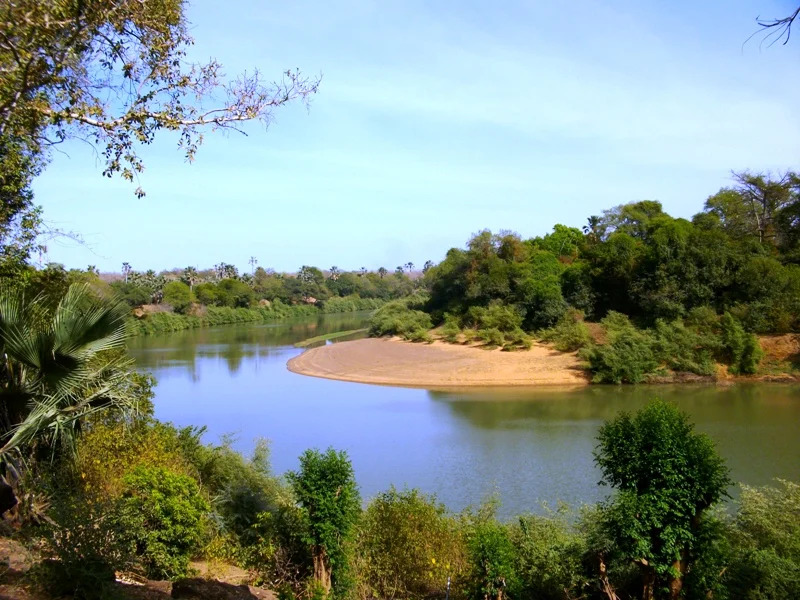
x=253, y=262
x=126, y=270
x=334, y=273
x=410, y=266
x=427, y=266
x=190, y=276
x=57, y=368
x=382, y=272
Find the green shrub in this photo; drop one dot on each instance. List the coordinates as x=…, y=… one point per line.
x=740, y=349
x=451, y=330
x=493, y=561
x=517, y=340
x=407, y=546
x=491, y=336
x=178, y=295
x=766, y=536
x=569, y=333
x=88, y=546
x=626, y=358
x=496, y=316
x=162, y=515
x=682, y=349
x=396, y=318
x=549, y=557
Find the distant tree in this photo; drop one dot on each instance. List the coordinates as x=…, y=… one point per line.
x=382, y=272
x=92, y=269
x=253, y=262
x=667, y=477
x=326, y=490
x=126, y=270
x=362, y=271
x=335, y=273
x=752, y=206
x=409, y=266
x=427, y=266
x=399, y=270
x=190, y=277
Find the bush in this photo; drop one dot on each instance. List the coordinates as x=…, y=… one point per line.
x=408, y=546
x=496, y=316
x=549, y=557
x=396, y=318
x=493, y=561
x=569, y=333
x=87, y=547
x=451, y=330
x=740, y=349
x=162, y=514
x=682, y=349
x=178, y=295
x=627, y=358
x=766, y=535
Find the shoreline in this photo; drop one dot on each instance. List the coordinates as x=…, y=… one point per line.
x=395, y=362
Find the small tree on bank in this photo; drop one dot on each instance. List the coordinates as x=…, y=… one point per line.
x=326, y=490
x=667, y=477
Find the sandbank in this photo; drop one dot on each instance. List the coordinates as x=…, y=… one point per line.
x=390, y=361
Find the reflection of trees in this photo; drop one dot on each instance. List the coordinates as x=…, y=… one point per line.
x=708, y=405
x=234, y=343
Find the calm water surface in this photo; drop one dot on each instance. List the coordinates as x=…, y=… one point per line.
x=528, y=445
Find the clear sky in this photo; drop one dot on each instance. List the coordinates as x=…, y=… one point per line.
x=435, y=120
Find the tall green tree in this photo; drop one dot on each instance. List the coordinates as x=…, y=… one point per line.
x=326, y=490
x=667, y=476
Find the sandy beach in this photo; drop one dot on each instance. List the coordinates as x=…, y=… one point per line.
x=438, y=365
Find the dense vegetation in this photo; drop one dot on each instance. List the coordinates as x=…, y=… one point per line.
x=670, y=294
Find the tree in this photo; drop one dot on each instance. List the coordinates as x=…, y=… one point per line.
x=253, y=262
x=427, y=266
x=178, y=295
x=190, y=277
x=63, y=61
x=382, y=272
x=335, y=273
x=752, y=205
x=126, y=270
x=60, y=366
x=667, y=477
x=326, y=490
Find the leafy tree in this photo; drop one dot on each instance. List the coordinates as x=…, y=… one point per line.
x=63, y=59
x=667, y=476
x=326, y=490
x=178, y=295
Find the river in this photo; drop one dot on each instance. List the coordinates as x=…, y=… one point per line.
x=528, y=446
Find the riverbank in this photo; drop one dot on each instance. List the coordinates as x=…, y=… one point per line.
x=212, y=316
x=390, y=361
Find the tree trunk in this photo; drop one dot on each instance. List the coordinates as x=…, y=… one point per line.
x=648, y=583
x=676, y=583
x=605, y=584
x=322, y=568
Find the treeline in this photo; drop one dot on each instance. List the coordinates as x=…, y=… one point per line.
x=174, y=301
x=146, y=497
x=661, y=286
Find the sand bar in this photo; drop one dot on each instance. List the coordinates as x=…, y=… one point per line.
x=438, y=365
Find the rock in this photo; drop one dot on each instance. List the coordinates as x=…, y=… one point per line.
x=196, y=588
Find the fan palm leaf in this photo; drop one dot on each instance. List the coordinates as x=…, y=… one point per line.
x=60, y=365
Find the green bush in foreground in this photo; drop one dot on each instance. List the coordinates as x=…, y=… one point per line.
x=162, y=513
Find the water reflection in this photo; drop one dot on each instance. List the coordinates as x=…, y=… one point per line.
x=530, y=445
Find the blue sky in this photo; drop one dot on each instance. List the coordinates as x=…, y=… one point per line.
x=435, y=120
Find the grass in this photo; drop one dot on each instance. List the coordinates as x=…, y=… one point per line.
x=328, y=336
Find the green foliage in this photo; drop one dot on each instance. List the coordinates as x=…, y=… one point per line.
x=162, y=514
x=569, y=333
x=451, y=329
x=549, y=557
x=178, y=295
x=87, y=546
x=407, y=546
x=396, y=318
x=666, y=477
x=740, y=349
x=131, y=293
x=682, y=349
x=627, y=356
x=495, y=316
x=766, y=561
x=326, y=490
x=493, y=561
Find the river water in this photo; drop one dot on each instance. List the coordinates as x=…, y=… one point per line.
x=528, y=446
